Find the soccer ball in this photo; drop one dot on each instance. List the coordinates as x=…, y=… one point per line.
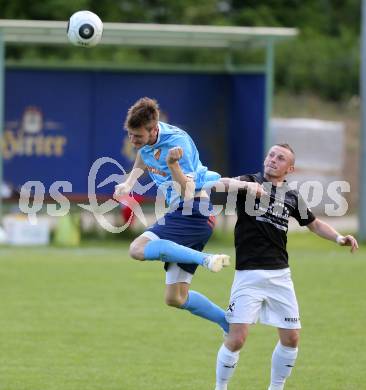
x=84, y=29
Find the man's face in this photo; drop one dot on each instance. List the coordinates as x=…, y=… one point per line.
x=279, y=162
x=141, y=137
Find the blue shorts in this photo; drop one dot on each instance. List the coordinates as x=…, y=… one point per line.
x=192, y=231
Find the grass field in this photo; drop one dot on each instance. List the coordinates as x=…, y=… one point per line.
x=90, y=318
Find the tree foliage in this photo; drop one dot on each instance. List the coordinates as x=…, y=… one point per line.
x=324, y=59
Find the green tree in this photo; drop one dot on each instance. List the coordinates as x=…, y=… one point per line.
x=323, y=59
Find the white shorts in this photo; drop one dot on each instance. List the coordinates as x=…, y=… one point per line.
x=174, y=274
x=267, y=296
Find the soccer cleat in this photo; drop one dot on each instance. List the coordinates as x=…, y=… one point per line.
x=215, y=263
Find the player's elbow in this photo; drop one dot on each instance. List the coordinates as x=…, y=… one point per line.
x=314, y=226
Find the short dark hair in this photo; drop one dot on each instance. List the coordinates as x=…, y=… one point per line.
x=144, y=113
x=288, y=147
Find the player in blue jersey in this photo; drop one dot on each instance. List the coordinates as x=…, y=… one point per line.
x=178, y=239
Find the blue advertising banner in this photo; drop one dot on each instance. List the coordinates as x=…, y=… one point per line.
x=246, y=123
x=47, y=127
x=58, y=123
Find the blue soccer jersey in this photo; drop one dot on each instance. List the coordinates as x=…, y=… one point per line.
x=154, y=157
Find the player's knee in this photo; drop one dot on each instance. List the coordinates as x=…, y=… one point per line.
x=294, y=340
x=136, y=250
x=174, y=301
x=236, y=344
x=235, y=341
x=291, y=340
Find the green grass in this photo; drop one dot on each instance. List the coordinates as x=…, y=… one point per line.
x=90, y=318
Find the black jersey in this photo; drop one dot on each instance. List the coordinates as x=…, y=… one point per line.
x=261, y=228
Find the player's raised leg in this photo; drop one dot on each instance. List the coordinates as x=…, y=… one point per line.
x=144, y=248
x=178, y=294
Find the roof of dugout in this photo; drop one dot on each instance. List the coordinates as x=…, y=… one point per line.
x=148, y=35
x=138, y=34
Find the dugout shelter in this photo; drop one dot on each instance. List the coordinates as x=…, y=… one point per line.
x=59, y=120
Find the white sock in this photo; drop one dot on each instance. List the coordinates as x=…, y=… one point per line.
x=225, y=366
x=272, y=387
x=283, y=359
x=222, y=386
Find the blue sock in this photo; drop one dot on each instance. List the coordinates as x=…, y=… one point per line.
x=201, y=306
x=171, y=252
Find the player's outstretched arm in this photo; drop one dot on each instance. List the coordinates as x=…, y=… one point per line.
x=136, y=172
x=233, y=185
x=326, y=231
x=182, y=183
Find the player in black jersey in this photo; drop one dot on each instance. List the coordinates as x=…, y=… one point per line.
x=262, y=288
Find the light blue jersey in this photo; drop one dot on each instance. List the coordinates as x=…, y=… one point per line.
x=154, y=157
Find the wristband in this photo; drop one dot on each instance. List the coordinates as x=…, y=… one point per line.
x=339, y=239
